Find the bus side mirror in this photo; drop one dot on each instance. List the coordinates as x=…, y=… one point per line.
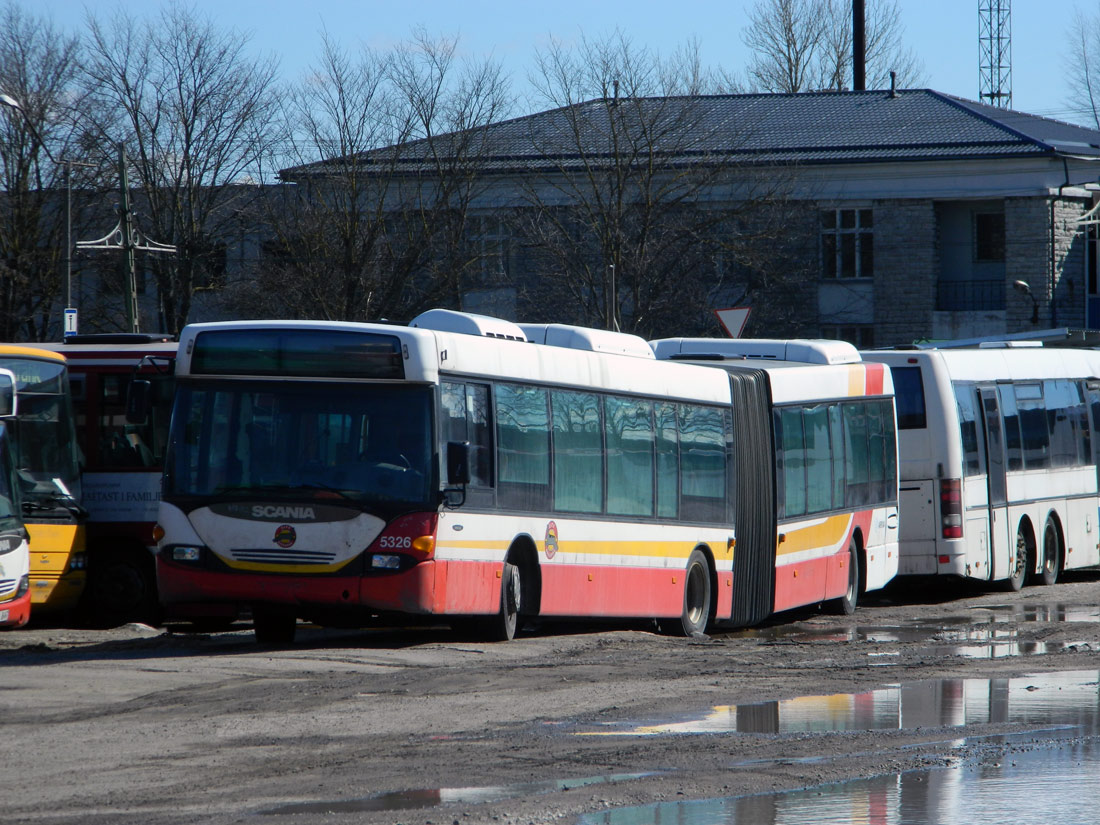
x=458, y=462
x=139, y=401
x=8, y=398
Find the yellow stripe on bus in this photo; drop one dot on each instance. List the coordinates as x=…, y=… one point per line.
x=830, y=532
x=657, y=549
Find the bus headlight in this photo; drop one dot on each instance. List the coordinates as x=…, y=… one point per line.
x=186, y=553
x=24, y=586
x=79, y=561
x=382, y=561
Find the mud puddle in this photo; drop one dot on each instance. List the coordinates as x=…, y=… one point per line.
x=1070, y=698
x=430, y=797
x=1006, y=783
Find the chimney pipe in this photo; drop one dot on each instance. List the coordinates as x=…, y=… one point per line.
x=859, y=48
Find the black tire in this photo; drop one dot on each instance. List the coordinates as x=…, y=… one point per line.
x=121, y=588
x=846, y=604
x=506, y=623
x=1015, y=580
x=1052, y=556
x=274, y=627
x=695, y=614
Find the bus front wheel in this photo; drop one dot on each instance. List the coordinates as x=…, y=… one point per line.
x=273, y=627
x=503, y=626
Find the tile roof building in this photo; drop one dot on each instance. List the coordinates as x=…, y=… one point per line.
x=919, y=215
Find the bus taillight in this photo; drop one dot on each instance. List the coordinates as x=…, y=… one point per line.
x=951, y=507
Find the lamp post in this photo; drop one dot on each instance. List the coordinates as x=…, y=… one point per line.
x=1025, y=288
x=11, y=102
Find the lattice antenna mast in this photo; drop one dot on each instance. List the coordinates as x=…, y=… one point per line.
x=995, y=52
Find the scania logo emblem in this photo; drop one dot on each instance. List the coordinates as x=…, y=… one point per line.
x=285, y=535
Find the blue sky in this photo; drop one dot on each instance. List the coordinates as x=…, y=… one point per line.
x=942, y=32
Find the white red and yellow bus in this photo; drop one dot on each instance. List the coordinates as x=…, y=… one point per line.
x=47, y=466
x=455, y=469
x=827, y=509
x=123, y=464
x=15, y=562
x=998, y=447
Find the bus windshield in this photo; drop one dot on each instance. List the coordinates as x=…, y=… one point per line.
x=10, y=510
x=367, y=445
x=44, y=443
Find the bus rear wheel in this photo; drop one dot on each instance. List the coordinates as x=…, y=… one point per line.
x=1015, y=579
x=695, y=614
x=1052, y=555
x=846, y=604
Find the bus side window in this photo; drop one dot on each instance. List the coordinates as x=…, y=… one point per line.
x=965, y=400
x=578, y=452
x=703, y=463
x=793, y=452
x=630, y=442
x=465, y=417
x=523, y=447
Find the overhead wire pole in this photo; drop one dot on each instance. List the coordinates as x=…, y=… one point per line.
x=127, y=239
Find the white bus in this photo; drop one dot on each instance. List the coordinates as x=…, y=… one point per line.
x=998, y=449
x=15, y=561
x=471, y=471
x=827, y=420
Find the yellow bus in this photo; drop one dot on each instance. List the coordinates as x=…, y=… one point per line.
x=47, y=464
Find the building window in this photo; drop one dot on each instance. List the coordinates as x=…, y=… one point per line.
x=847, y=243
x=862, y=336
x=989, y=237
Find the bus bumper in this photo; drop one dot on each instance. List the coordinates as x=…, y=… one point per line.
x=184, y=591
x=57, y=593
x=17, y=612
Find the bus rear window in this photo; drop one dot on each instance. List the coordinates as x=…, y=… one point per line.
x=909, y=397
x=313, y=353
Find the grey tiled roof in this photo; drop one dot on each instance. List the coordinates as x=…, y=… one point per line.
x=822, y=127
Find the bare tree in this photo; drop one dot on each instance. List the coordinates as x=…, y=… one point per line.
x=387, y=149
x=1082, y=65
x=38, y=68
x=636, y=215
x=806, y=45
x=192, y=110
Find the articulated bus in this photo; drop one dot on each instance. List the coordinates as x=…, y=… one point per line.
x=456, y=469
x=829, y=502
x=999, y=453
x=47, y=465
x=123, y=464
x=15, y=561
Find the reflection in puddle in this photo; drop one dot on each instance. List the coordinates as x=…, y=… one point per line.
x=1055, y=784
x=982, y=634
x=430, y=797
x=1046, y=699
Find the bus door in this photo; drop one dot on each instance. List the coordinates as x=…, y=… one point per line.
x=1001, y=552
x=1092, y=397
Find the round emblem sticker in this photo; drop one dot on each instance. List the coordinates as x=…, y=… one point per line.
x=285, y=535
x=551, y=544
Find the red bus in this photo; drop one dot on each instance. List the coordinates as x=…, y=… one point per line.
x=122, y=465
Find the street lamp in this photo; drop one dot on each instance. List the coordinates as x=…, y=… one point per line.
x=11, y=102
x=1024, y=288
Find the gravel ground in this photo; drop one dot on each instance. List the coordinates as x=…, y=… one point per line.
x=147, y=725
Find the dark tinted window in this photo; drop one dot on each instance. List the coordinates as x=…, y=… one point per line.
x=909, y=396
